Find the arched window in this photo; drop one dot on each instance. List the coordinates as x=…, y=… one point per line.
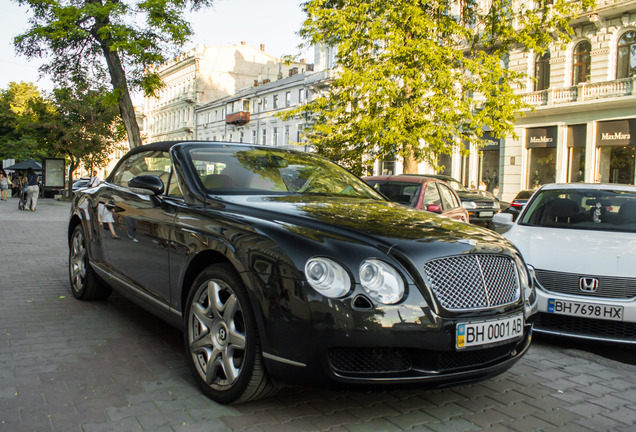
x=542, y=72
x=626, y=55
x=581, y=63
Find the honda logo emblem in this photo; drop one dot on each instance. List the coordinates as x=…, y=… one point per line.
x=588, y=284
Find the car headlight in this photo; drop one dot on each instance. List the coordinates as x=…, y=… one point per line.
x=381, y=281
x=327, y=277
x=469, y=205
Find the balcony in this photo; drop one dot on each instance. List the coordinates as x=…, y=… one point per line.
x=238, y=119
x=581, y=93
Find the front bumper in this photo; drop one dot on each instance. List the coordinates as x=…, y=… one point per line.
x=566, y=321
x=418, y=350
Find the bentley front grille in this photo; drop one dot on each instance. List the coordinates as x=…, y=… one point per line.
x=476, y=281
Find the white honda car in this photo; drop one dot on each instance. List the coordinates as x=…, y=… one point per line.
x=580, y=239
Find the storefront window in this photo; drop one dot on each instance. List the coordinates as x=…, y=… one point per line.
x=577, y=138
x=616, y=149
x=576, y=164
x=541, y=144
x=542, y=166
x=617, y=164
x=489, y=163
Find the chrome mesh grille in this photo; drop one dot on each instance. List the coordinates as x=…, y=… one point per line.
x=476, y=281
x=569, y=283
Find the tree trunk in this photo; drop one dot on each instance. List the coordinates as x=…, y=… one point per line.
x=118, y=80
x=409, y=164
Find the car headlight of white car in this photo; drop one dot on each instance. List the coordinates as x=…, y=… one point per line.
x=469, y=205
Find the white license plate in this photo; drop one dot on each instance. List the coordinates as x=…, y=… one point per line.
x=485, y=214
x=488, y=332
x=588, y=310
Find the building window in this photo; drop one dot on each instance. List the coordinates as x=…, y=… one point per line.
x=581, y=63
x=542, y=72
x=626, y=57
x=264, y=104
x=241, y=136
x=275, y=101
x=288, y=99
x=254, y=137
x=301, y=96
x=286, y=142
x=264, y=137
x=275, y=136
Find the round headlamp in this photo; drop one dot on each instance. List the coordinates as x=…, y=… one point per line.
x=381, y=281
x=327, y=277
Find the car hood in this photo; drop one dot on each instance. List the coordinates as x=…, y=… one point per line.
x=576, y=251
x=389, y=224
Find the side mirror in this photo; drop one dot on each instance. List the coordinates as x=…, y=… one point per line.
x=148, y=182
x=435, y=208
x=502, y=222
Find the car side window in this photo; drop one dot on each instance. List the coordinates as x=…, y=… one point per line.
x=431, y=196
x=156, y=163
x=448, y=198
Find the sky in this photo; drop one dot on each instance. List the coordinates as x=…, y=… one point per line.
x=274, y=23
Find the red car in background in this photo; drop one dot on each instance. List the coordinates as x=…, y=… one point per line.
x=423, y=193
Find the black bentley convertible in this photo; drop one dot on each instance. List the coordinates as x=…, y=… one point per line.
x=281, y=266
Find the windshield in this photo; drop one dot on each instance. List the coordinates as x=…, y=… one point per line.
x=600, y=210
x=256, y=171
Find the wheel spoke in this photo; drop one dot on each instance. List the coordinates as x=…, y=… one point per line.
x=212, y=366
x=231, y=307
x=231, y=371
x=237, y=339
x=214, y=297
x=202, y=315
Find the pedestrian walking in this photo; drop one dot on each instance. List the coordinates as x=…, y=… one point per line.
x=95, y=180
x=33, y=190
x=4, y=185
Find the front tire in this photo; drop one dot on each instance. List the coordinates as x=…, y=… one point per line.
x=221, y=338
x=85, y=284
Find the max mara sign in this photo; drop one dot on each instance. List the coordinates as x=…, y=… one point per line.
x=541, y=137
x=616, y=133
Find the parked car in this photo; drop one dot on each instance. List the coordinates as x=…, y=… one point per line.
x=423, y=193
x=580, y=239
x=279, y=265
x=480, y=208
x=79, y=184
x=519, y=202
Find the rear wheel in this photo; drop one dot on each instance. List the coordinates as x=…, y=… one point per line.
x=222, y=343
x=85, y=284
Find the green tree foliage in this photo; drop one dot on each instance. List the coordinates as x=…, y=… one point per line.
x=81, y=123
x=94, y=39
x=417, y=77
x=18, y=140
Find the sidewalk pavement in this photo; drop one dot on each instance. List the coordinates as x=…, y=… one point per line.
x=67, y=365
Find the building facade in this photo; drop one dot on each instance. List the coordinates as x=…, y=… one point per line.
x=202, y=75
